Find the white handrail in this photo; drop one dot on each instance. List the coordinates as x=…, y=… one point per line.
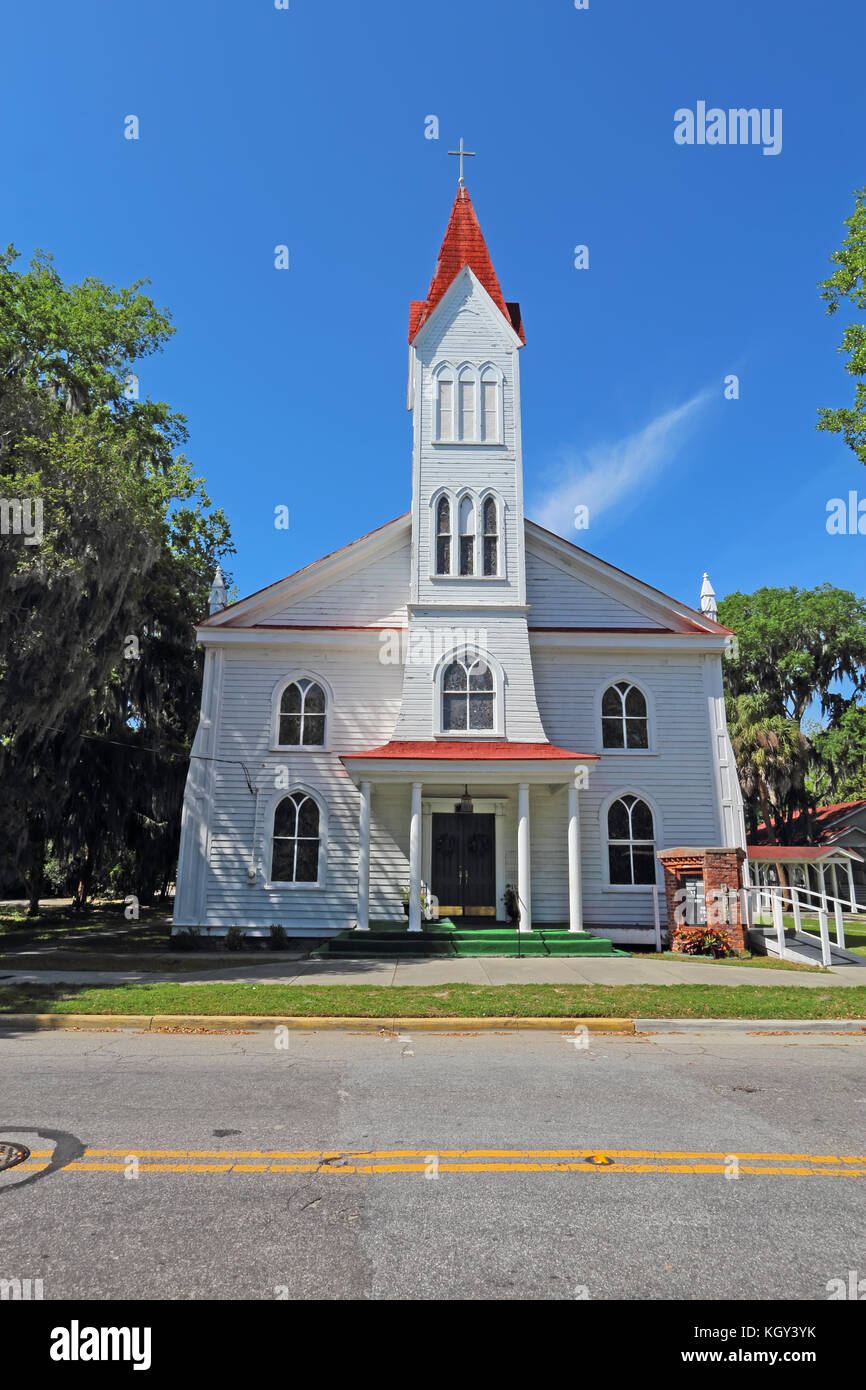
x=777, y=896
x=825, y=937
x=657, y=916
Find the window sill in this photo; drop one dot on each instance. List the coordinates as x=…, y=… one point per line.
x=468, y=444
x=470, y=736
x=628, y=887
x=299, y=748
x=294, y=886
x=466, y=578
x=629, y=752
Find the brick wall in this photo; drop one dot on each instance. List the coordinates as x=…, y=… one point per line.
x=722, y=872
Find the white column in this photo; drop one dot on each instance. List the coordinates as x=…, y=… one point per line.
x=851, y=890
x=499, y=825
x=823, y=887
x=575, y=907
x=524, y=885
x=364, y=860
x=415, y=860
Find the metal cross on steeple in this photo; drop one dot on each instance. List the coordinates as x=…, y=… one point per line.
x=462, y=154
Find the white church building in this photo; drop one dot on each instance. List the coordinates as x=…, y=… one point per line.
x=460, y=704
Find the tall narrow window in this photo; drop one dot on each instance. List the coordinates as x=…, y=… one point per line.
x=443, y=536
x=467, y=536
x=445, y=409
x=467, y=696
x=467, y=407
x=624, y=717
x=490, y=537
x=302, y=715
x=631, y=841
x=295, y=856
x=489, y=409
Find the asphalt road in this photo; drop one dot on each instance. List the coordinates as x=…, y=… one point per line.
x=309, y=1170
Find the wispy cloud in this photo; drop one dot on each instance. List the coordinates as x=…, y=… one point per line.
x=614, y=474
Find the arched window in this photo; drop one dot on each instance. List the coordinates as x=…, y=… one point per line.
x=490, y=536
x=445, y=407
x=489, y=406
x=296, y=840
x=443, y=536
x=302, y=715
x=631, y=841
x=624, y=722
x=468, y=694
x=467, y=536
x=466, y=388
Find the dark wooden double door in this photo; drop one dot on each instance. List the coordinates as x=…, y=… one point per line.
x=463, y=868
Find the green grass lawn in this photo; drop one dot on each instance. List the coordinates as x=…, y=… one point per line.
x=755, y=962
x=458, y=1000
x=102, y=923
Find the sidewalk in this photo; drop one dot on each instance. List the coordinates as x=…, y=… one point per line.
x=476, y=970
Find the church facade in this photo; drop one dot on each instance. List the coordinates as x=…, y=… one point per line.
x=460, y=708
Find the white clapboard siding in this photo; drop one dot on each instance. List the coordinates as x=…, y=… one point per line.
x=677, y=776
x=557, y=598
x=366, y=702
x=469, y=329
x=377, y=598
x=505, y=639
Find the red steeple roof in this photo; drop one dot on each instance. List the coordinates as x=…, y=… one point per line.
x=464, y=244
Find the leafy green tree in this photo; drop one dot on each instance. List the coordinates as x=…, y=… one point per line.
x=797, y=646
x=849, y=282
x=95, y=728
x=772, y=758
x=839, y=772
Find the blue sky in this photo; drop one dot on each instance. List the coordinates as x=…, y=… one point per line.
x=306, y=127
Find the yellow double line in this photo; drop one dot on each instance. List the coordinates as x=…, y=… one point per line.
x=390, y=1161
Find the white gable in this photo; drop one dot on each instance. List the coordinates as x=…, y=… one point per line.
x=374, y=596
x=559, y=598
x=363, y=584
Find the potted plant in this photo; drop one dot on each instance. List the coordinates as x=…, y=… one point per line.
x=404, y=894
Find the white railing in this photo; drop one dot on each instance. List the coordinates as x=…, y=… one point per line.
x=772, y=900
x=657, y=916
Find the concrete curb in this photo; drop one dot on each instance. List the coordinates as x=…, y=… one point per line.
x=227, y=1023
x=219, y=1023
x=750, y=1025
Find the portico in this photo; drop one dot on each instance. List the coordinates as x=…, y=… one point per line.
x=459, y=792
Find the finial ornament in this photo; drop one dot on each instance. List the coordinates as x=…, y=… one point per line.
x=218, y=597
x=708, y=599
x=461, y=155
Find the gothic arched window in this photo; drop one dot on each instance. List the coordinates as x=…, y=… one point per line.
x=302, y=715
x=468, y=695
x=489, y=407
x=445, y=408
x=624, y=720
x=443, y=536
x=467, y=536
x=296, y=840
x=467, y=405
x=631, y=841
x=490, y=536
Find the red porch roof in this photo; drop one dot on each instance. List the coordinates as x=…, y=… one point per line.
x=801, y=854
x=471, y=750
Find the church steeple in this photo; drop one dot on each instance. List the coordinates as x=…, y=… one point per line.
x=462, y=245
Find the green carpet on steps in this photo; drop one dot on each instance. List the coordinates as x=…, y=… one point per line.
x=447, y=938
